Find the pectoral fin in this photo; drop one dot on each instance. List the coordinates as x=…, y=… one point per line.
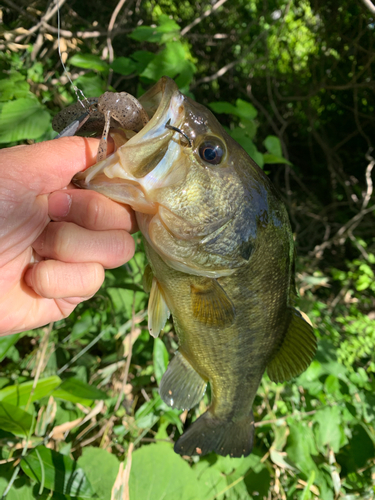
x=181, y=386
x=158, y=311
x=296, y=352
x=147, y=279
x=210, y=304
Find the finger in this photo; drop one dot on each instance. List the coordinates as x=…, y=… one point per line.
x=90, y=210
x=48, y=166
x=68, y=242
x=57, y=280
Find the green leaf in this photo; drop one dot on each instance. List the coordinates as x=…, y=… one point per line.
x=245, y=110
x=142, y=58
x=91, y=84
x=250, y=149
x=15, y=420
x=82, y=325
x=161, y=359
x=6, y=343
x=223, y=107
x=301, y=447
x=14, y=87
x=124, y=66
x=19, y=394
x=167, y=30
x=89, y=61
x=306, y=495
x=101, y=468
x=273, y=145
x=146, y=34
x=76, y=391
x=210, y=479
x=23, y=119
x=58, y=472
x=169, y=477
x=169, y=62
x=270, y=159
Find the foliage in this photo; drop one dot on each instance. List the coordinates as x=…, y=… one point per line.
x=292, y=82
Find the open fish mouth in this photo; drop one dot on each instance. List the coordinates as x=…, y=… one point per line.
x=149, y=160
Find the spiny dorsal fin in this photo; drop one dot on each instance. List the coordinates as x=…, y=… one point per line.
x=158, y=311
x=210, y=304
x=296, y=352
x=181, y=386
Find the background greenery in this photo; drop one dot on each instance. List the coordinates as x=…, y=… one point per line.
x=292, y=80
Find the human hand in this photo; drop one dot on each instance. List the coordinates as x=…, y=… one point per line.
x=48, y=267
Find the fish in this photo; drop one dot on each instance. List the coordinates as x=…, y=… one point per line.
x=221, y=260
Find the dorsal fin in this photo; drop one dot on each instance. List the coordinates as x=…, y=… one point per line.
x=296, y=351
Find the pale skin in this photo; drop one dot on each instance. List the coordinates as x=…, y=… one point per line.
x=55, y=240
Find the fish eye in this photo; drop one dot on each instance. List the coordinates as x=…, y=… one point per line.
x=212, y=151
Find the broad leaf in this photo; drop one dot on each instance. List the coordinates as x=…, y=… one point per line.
x=23, y=119
x=6, y=343
x=223, y=107
x=124, y=66
x=245, y=110
x=101, y=469
x=89, y=61
x=161, y=359
x=19, y=394
x=159, y=473
x=271, y=159
x=273, y=145
x=170, y=62
x=91, y=84
x=58, y=472
x=15, y=420
x=76, y=391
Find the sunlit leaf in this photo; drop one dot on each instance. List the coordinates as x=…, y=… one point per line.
x=23, y=118
x=76, y=391
x=88, y=61
x=19, y=394
x=58, y=472
x=161, y=359
x=100, y=468
x=169, y=477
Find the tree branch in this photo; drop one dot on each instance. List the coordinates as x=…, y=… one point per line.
x=203, y=16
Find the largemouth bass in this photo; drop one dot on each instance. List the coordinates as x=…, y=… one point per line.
x=221, y=256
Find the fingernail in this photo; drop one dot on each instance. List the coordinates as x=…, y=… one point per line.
x=59, y=204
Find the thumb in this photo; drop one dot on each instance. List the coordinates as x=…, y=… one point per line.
x=47, y=166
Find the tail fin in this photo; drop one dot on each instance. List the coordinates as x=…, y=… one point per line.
x=224, y=437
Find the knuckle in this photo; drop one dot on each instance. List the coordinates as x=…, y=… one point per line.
x=95, y=213
x=43, y=279
x=60, y=239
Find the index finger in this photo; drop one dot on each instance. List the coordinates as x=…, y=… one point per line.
x=48, y=166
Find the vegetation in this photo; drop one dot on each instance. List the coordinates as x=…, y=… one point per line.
x=292, y=80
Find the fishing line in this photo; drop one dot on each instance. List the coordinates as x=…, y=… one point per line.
x=79, y=93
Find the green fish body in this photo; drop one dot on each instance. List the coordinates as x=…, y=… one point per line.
x=221, y=256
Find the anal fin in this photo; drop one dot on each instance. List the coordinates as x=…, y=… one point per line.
x=181, y=386
x=297, y=350
x=158, y=311
x=210, y=304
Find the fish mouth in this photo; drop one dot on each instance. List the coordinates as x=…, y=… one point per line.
x=147, y=161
